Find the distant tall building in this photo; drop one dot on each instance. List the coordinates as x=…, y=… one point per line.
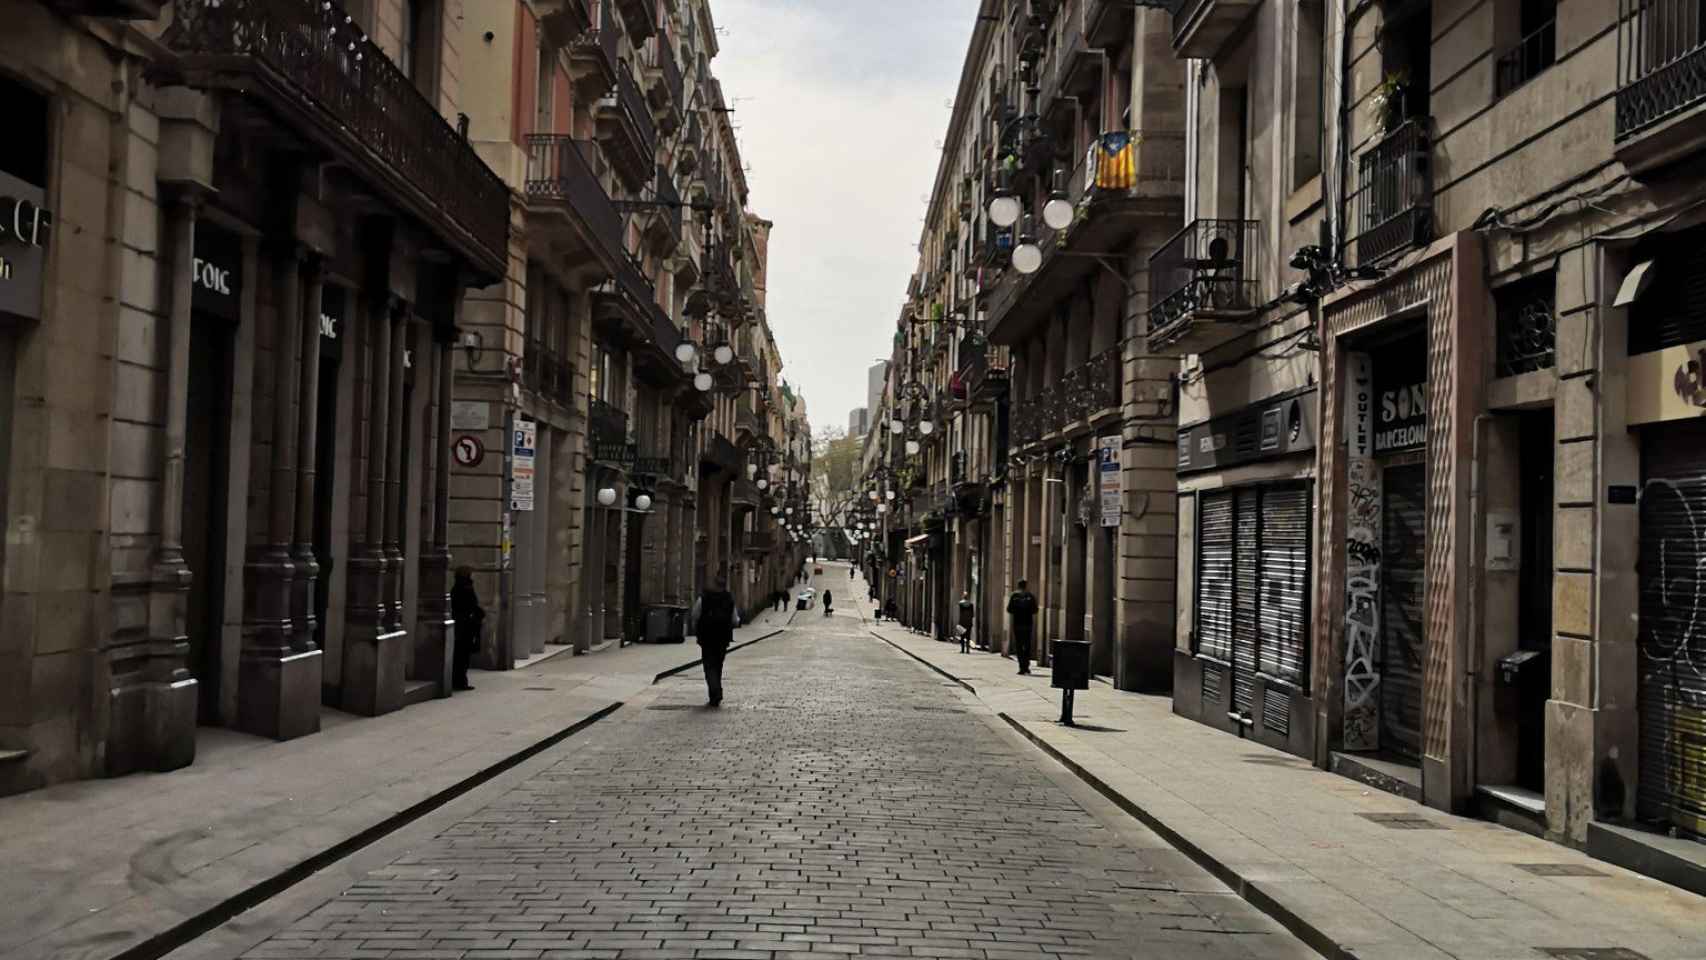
x=875, y=378
x=858, y=422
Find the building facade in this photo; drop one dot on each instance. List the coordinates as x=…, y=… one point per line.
x=338, y=352
x=1027, y=435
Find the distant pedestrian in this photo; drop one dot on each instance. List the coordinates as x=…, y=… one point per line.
x=891, y=610
x=470, y=618
x=827, y=599
x=715, y=617
x=968, y=611
x=1022, y=607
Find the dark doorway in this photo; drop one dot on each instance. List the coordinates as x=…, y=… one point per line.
x=631, y=578
x=1534, y=594
x=1403, y=641
x=206, y=456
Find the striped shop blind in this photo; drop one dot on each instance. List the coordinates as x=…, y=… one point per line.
x=1285, y=583
x=1214, y=576
x=1245, y=594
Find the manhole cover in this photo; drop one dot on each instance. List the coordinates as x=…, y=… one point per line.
x=672, y=706
x=1592, y=953
x=1401, y=821
x=1559, y=869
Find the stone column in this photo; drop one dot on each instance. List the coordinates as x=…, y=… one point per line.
x=396, y=423
x=307, y=568
x=154, y=699
x=280, y=670
x=435, y=629
x=373, y=670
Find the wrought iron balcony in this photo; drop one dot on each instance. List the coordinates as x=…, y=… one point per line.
x=687, y=153
x=307, y=67
x=626, y=128
x=655, y=465
x=1526, y=58
x=1084, y=396
x=664, y=214
x=560, y=181
x=1661, y=81
x=983, y=370
x=113, y=9
x=1202, y=27
x=664, y=84
x=760, y=540
x=607, y=429
x=1395, y=194
x=592, y=56
x=1202, y=286
x=1128, y=180
x=547, y=374
x=639, y=17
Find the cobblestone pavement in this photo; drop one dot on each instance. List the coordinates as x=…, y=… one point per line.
x=843, y=802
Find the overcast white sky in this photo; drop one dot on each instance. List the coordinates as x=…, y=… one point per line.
x=840, y=107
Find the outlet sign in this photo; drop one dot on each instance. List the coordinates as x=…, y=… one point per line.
x=25, y=229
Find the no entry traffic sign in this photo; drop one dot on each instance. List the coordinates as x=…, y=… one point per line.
x=468, y=450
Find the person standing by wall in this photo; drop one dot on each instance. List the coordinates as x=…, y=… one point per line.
x=1022, y=607
x=470, y=617
x=968, y=612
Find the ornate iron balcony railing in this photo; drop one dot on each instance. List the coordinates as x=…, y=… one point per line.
x=1394, y=198
x=558, y=169
x=1661, y=61
x=309, y=50
x=1208, y=265
x=1527, y=57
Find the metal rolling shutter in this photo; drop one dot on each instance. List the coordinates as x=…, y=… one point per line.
x=1672, y=639
x=1403, y=532
x=1214, y=576
x=1285, y=584
x=1244, y=598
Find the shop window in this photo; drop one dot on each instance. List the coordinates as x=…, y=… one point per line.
x=1252, y=583
x=1527, y=324
x=1672, y=311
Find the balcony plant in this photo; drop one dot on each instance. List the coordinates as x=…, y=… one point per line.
x=1387, y=100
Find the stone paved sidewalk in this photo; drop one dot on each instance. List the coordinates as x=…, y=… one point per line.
x=1320, y=851
x=95, y=868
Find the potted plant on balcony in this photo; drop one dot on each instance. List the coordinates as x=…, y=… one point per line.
x=1387, y=100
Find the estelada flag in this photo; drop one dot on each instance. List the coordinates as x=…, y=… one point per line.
x=1115, y=158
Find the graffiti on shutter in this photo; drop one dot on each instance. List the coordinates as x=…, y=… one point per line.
x=1285, y=583
x=1245, y=595
x=1214, y=577
x=1403, y=519
x=1672, y=637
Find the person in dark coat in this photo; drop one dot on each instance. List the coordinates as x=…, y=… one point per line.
x=968, y=612
x=1022, y=607
x=826, y=603
x=469, y=617
x=715, y=617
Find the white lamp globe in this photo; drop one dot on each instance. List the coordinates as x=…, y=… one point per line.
x=1004, y=211
x=643, y=502
x=895, y=426
x=763, y=483
x=685, y=352
x=1027, y=258
x=882, y=508
x=751, y=470
x=702, y=382
x=606, y=496
x=911, y=448
x=724, y=353
x=775, y=511
x=1057, y=213
x=926, y=427
x=891, y=496
x=873, y=494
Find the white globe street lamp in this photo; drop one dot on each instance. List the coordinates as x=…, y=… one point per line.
x=702, y=382
x=643, y=502
x=606, y=496
x=685, y=351
x=763, y=483
x=926, y=427
x=891, y=496
x=1057, y=213
x=895, y=426
x=911, y=448
x=1004, y=211
x=724, y=354
x=882, y=508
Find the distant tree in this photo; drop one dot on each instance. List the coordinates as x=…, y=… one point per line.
x=835, y=457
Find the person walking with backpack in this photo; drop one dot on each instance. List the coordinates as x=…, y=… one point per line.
x=968, y=613
x=715, y=617
x=1022, y=607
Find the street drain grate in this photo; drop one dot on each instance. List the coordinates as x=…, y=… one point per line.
x=1271, y=761
x=1592, y=953
x=939, y=709
x=1559, y=869
x=1401, y=821
x=672, y=706
x=538, y=689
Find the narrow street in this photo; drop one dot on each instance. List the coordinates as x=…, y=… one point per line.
x=843, y=802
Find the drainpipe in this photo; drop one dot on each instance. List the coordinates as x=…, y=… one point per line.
x=1477, y=536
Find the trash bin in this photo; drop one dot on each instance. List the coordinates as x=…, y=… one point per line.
x=800, y=604
x=1071, y=671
